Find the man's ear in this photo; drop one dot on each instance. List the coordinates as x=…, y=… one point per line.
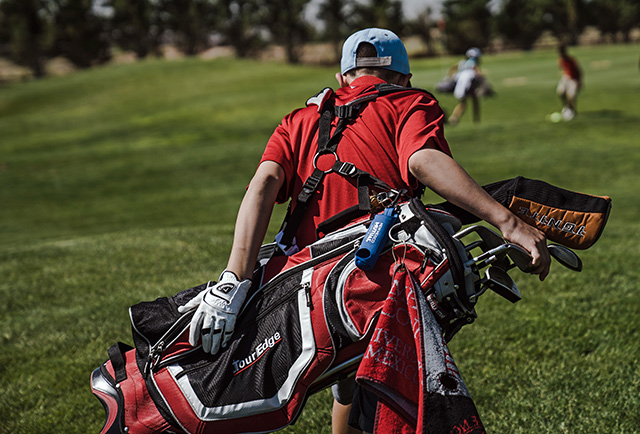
x=342, y=80
x=406, y=82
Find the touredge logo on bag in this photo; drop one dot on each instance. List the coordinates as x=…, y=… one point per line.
x=259, y=351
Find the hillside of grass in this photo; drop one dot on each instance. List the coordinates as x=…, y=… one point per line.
x=121, y=184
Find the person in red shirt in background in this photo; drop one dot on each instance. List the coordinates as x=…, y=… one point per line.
x=397, y=138
x=569, y=84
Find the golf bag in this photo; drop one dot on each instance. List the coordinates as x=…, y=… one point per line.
x=305, y=326
x=309, y=317
x=481, y=86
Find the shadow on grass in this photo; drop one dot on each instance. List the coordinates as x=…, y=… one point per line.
x=610, y=115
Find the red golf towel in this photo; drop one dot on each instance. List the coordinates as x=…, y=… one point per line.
x=409, y=366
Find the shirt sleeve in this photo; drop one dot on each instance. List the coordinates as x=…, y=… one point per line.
x=421, y=126
x=280, y=150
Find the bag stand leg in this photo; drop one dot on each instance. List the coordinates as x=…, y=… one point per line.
x=110, y=399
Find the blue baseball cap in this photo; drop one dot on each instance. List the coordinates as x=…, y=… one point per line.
x=473, y=53
x=392, y=54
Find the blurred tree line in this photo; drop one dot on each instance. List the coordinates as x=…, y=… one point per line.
x=87, y=31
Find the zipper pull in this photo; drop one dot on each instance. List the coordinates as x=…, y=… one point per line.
x=155, y=353
x=307, y=293
x=305, y=281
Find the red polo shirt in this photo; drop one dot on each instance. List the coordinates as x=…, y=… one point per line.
x=569, y=67
x=380, y=141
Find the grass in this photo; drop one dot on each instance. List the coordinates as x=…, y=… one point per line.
x=121, y=184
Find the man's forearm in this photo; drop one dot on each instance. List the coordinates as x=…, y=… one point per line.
x=447, y=178
x=253, y=218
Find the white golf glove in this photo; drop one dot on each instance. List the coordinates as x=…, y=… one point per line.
x=217, y=308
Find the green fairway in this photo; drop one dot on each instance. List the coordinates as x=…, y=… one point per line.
x=121, y=184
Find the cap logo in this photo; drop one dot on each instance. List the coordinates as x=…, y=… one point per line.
x=373, y=61
x=392, y=53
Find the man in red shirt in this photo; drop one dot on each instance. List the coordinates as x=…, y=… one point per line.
x=397, y=138
x=569, y=84
x=373, y=143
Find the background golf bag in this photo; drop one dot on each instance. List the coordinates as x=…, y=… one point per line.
x=305, y=325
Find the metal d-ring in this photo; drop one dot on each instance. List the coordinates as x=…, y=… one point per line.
x=404, y=253
x=397, y=242
x=394, y=239
x=318, y=154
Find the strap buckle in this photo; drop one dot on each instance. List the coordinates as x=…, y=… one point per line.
x=347, y=111
x=346, y=168
x=312, y=182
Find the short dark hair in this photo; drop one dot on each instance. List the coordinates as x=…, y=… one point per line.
x=366, y=49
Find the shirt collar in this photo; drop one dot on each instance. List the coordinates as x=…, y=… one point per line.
x=358, y=86
x=366, y=81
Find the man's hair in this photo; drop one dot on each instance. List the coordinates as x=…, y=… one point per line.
x=366, y=49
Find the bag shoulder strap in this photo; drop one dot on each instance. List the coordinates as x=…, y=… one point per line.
x=328, y=144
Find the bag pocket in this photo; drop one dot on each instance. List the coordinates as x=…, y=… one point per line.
x=258, y=371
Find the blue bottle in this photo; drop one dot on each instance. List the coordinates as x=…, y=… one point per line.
x=375, y=239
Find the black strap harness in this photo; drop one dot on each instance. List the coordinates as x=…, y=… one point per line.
x=328, y=144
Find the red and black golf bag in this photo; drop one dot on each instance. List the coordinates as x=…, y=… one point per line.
x=306, y=324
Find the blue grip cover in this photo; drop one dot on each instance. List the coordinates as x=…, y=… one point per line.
x=375, y=239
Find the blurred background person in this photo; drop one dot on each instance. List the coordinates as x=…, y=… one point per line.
x=469, y=84
x=570, y=83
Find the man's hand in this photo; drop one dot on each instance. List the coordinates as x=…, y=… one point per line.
x=217, y=308
x=532, y=240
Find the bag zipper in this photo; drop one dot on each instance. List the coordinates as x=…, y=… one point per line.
x=169, y=337
x=311, y=263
